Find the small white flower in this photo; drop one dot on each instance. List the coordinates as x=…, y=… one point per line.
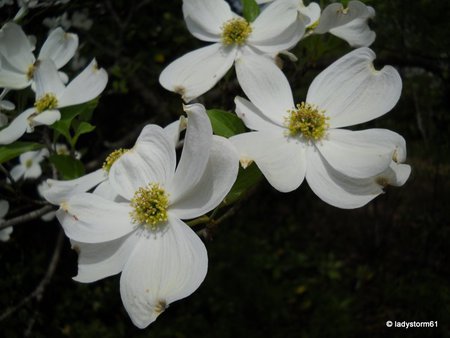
x=274, y=30
x=349, y=24
x=292, y=142
x=52, y=94
x=17, y=61
x=140, y=232
x=5, y=233
x=29, y=166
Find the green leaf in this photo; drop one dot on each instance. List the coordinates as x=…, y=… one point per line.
x=67, y=166
x=83, y=128
x=250, y=10
x=247, y=179
x=224, y=123
x=84, y=111
x=10, y=151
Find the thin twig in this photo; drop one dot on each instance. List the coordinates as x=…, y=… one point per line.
x=26, y=217
x=8, y=175
x=38, y=292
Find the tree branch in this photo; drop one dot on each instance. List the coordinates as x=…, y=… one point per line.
x=26, y=217
x=38, y=292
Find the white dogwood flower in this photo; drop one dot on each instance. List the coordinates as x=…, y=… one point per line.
x=293, y=141
x=140, y=232
x=274, y=30
x=52, y=94
x=29, y=165
x=4, y=233
x=348, y=23
x=17, y=61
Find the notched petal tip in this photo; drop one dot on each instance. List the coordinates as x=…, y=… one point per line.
x=245, y=162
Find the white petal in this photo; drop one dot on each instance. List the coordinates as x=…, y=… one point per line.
x=100, y=260
x=265, y=85
x=151, y=160
x=86, y=86
x=396, y=175
x=10, y=77
x=33, y=172
x=280, y=159
x=196, y=72
x=15, y=47
x=47, y=117
x=205, y=18
x=337, y=189
x=252, y=117
x=64, y=77
x=217, y=180
x=106, y=191
x=49, y=216
x=59, y=47
x=358, y=154
x=47, y=79
x=57, y=192
x=17, y=172
x=351, y=91
x=196, y=150
x=162, y=269
x=90, y=218
x=277, y=27
x=7, y=105
x=311, y=13
x=17, y=127
x=5, y=234
x=334, y=15
x=357, y=33
x=174, y=129
x=28, y=156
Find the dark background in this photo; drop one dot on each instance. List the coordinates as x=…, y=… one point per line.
x=285, y=265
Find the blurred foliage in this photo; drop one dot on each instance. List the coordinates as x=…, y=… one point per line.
x=286, y=265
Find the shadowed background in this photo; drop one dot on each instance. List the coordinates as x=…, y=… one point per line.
x=285, y=265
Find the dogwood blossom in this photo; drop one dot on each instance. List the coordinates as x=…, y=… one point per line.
x=274, y=30
x=52, y=94
x=4, y=233
x=294, y=141
x=29, y=165
x=136, y=229
x=17, y=61
x=348, y=23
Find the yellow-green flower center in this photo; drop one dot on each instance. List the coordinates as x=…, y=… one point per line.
x=113, y=157
x=48, y=101
x=236, y=31
x=28, y=163
x=308, y=121
x=150, y=205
